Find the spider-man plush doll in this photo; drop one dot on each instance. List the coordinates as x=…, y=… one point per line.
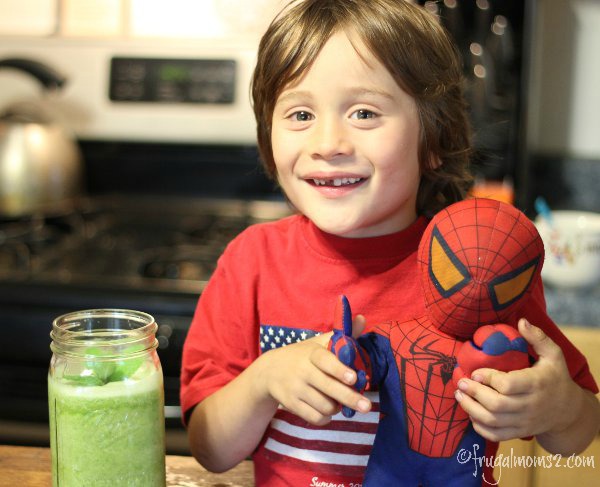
x=479, y=260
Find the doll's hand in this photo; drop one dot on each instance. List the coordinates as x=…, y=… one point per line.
x=308, y=380
x=521, y=403
x=347, y=350
x=498, y=347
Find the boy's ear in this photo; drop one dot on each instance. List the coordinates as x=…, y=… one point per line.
x=435, y=162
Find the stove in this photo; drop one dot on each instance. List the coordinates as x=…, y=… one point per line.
x=144, y=243
x=149, y=253
x=171, y=176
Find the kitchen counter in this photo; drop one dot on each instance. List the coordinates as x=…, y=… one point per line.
x=30, y=466
x=587, y=340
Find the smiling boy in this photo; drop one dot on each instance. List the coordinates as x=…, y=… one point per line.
x=361, y=120
x=362, y=160
x=346, y=147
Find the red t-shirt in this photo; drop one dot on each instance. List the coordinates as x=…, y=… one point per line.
x=277, y=283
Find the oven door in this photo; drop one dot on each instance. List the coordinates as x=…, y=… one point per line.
x=26, y=315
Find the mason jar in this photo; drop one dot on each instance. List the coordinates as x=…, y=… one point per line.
x=106, y=400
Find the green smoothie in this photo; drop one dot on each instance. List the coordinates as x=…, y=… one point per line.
x=110, y=434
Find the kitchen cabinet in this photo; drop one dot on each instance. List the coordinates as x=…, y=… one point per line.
x=581, y=471
x=92, y=18
x=28, y=17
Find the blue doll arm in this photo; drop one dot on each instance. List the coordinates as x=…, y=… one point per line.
x=347, y=349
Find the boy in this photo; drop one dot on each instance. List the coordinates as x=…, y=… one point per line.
x=361, y=120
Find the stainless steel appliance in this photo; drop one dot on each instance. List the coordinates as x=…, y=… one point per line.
x=151, y=254
x=172, y=175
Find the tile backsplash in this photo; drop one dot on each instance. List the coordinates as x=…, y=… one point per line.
x=567, y=183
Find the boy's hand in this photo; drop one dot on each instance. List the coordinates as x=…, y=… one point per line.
x=308, y=380
x=531, y=401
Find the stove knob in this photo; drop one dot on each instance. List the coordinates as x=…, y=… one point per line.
x=163, y=334
x=163, y=342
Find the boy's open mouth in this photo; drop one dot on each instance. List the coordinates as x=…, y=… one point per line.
x=336, y=182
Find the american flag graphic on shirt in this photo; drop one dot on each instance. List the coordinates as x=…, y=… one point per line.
x=343, y=442
x=279, y=336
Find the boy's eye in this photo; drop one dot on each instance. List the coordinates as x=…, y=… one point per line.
x=363, y=114
x=302, y=116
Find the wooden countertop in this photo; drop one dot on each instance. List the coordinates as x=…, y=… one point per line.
x=30, y=467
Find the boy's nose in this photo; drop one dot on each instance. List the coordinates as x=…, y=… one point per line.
x=330, y=139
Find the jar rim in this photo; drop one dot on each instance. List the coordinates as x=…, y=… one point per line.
x=139, y=316
x=106, y=328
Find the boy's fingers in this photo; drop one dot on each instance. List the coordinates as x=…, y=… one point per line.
x=343, y=394
x=542, y=344
x=480, y=415
x=473, y=408
x=358, y=325
x=323, y=338
x=507, y=383
x=336, y=380
x=320, y=402
x=327, y=362
x=487, y=397
x=307, y=412
x=497, y=434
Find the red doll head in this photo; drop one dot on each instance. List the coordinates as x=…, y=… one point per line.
x=479, y=260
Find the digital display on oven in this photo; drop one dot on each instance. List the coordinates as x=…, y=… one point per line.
x=205, y=81
x=175, y=73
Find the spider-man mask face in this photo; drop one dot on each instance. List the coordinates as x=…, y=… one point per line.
x=479, y=259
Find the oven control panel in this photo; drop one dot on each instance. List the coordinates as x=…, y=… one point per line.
x=140, y=79
x=138, y=90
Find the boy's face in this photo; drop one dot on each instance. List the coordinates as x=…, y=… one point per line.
x=345, y=142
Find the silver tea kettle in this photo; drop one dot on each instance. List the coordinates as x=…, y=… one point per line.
x=40, y=161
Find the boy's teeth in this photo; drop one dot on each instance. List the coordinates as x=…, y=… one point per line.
x=336, y=181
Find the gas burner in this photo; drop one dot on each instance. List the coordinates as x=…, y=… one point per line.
x=27, y=240
x=130, y=244
x=14, y=257
x=42, y=228
x=22, y=240
x=215, y=231
x=179, y=262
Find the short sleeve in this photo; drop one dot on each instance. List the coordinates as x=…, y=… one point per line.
x=222, y=339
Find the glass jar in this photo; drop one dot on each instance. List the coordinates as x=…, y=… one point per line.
x=106, y=400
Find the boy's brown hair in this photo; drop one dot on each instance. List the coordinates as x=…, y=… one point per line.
x=416, y=51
